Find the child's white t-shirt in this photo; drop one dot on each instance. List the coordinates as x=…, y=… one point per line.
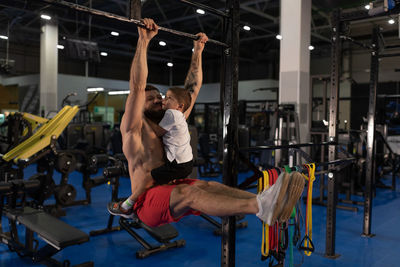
x=177, y=138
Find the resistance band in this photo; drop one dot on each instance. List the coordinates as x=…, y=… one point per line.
x=308, y=244
x=263, y=184
x=291, y=221
x=273, y=229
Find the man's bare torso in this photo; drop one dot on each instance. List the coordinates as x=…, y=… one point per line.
x=147, y=153
x=153, y=150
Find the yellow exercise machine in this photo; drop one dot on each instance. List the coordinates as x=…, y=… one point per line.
x=40, y=147
x=43, y=137
x=20, y=126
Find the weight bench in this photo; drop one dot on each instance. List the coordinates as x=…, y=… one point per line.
x=56, y=233
x=162, y=234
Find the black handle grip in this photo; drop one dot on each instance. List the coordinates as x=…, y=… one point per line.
x=111, y=172
x=19, y=184
x=99, y=160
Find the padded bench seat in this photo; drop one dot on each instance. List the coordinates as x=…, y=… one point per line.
x=54, y=231
x=162, y=234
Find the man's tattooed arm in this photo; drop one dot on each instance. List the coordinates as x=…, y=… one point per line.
x=194, y=78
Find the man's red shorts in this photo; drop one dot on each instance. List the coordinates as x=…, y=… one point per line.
x=152, y=207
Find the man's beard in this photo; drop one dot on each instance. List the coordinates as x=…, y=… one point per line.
x=154, y=115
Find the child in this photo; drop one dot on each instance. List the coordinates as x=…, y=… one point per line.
x=174, y=130
x=176, y=138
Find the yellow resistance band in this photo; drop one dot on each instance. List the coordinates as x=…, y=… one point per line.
x=263, y=184
x=310, y=178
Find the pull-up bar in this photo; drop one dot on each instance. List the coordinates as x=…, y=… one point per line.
x=125, y=19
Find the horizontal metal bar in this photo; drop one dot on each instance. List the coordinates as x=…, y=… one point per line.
x=360, y=97
x=392, y=46
x=259, y=148
x=347, y=38
x=205, y=7
x=335, y=162
x=248, y=181
x=337, y=167
x=363, y=14
x=125, y=19
x=390, y=55
x=388, y=96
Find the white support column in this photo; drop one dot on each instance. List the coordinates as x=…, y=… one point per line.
x=294, y=76
x=48, y=66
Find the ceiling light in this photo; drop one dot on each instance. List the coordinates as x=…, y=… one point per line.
x=95, y=89
x=200, y=11
x=170, y=64
x=60, y=46
x=125, y=92
x=104, y=54
x=46, y=17
x=115, y=33
x=310, y=47
x=3, y=37
x=391, y=21
x=246, y=28
x=279, y=37
x=367, y=7
x=162, y=43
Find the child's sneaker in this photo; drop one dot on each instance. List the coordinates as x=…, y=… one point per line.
x=115, y=209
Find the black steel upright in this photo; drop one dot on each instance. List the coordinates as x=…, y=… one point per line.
x=333, y=118
x=370, y=173
x=135, y=9
x=229, y=102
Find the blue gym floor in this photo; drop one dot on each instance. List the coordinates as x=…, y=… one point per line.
x=203, y=248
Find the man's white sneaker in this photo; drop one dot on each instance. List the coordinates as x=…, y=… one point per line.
x=267, y=200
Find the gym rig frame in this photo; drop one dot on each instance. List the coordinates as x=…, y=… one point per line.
x=338, y=21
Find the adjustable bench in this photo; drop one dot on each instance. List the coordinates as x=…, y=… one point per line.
x=163, y=234
x=56, y=233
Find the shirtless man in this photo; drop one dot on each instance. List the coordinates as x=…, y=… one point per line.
x=160, y=204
